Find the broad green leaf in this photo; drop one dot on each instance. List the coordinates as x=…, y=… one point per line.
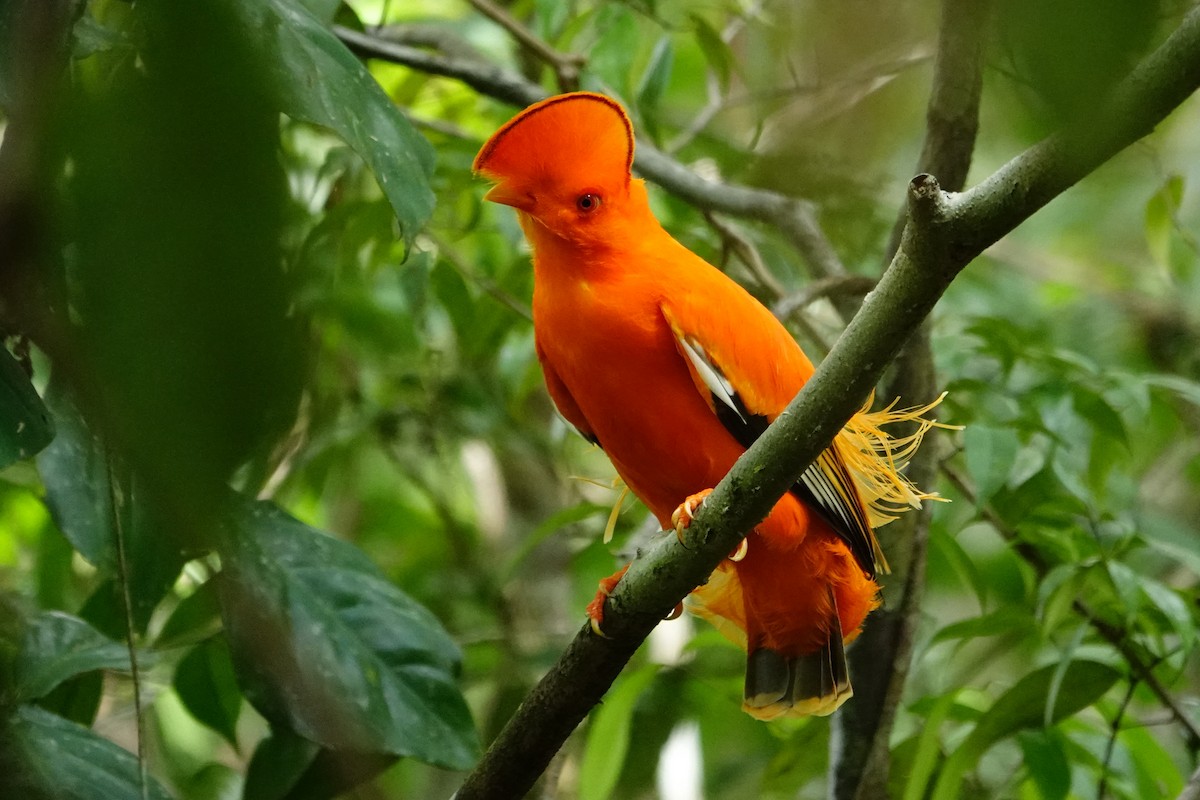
x=1046, y=763
x=608, y=735
x=316, y=79
x=206, y=685
x=719, y=57
x=325, y=645
x=25, y=424
x=74, y=470
x=56, y=647
x=654, y=82
x=76, y=699
x=278, y=762
x=323, y=10
x=1025, y=706
x=70, y=762
x=990, y=454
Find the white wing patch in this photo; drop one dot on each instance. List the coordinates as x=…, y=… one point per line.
x=717, y=383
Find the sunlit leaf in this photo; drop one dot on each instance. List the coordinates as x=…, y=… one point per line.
x=318, y=80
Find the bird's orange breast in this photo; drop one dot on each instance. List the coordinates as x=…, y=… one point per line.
x=617, y=357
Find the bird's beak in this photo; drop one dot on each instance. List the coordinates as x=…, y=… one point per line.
x=510, y=196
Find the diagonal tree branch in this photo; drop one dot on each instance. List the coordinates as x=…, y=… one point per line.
x=945, y=232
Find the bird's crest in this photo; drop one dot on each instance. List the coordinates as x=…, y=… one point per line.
x=591, y=134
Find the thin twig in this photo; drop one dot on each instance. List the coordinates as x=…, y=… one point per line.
x=565, y=65
x=1111, y=745
x=747, y=253
x=119, y=486
x=469, y=273
x=842, y=286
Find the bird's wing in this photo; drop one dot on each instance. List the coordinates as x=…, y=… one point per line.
x=563, y=399
x=748, y=368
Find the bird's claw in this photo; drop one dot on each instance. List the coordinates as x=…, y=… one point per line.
x=595, y=609
x=682, y=517
x=740, y=551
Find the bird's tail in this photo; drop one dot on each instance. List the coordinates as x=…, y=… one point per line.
x=815, y=683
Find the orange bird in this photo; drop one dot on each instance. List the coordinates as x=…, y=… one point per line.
x=674, y=370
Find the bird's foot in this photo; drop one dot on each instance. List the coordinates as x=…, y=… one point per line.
x=682, y=518
x=595, y=609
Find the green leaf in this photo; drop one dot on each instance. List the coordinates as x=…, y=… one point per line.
x=74, y=470
x=654, y=82
x=208, y=688
x=1004, y=621
x=608, y=735
x=56, y=647
x=1024, y=706
x=70, y=762
x=1173, y=608
x=929, y=750
x=278, y=762
x=990, y=453
x=196, y=617
x=1161, y=211
x=324, y=644
x=715, y=50
x=318, y=80
x=1186, y=389
x=1046, y=763
x=25, y=424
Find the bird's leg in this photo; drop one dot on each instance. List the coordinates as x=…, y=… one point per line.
x=682, y=518
x=595, y=609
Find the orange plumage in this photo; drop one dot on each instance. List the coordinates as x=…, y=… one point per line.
x=674, y=369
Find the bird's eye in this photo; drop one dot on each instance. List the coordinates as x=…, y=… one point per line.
x=588, y=202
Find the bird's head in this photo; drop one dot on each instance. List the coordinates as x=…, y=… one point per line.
x=564, y=164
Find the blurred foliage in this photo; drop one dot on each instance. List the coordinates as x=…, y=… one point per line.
x=259, y=289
